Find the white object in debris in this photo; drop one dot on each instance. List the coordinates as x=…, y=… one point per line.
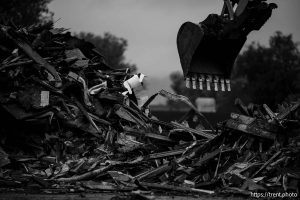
x=206, y=105
x=44, y=98
x=134, y=82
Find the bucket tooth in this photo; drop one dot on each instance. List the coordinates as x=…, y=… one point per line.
x=188, y=82
x=228, y=85
x=208, y=82
x=216, y=82
x=222, y=85
x=201, y=79
x=194, y=79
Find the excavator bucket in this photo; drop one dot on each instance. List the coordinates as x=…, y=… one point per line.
x=208, y=50
x=206, y=59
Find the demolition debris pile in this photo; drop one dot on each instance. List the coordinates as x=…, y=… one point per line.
x=69, y=123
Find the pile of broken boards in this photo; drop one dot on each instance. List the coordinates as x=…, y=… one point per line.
x=69, y=124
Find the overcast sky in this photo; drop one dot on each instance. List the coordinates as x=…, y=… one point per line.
x=151, y=26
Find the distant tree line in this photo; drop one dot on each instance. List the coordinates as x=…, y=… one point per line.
x=270, y=74
x=112, y=47
x=23, y=13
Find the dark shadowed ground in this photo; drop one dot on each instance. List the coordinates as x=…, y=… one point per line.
x=100, y=196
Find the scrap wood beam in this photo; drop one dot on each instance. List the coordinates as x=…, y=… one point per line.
x=31, y=53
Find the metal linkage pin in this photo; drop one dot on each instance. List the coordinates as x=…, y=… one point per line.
x=187, y=82
x=228, y=85
x=216, y=81
x=222, y=85
x=194, y=79
x=208, y=81
x=201, y=79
